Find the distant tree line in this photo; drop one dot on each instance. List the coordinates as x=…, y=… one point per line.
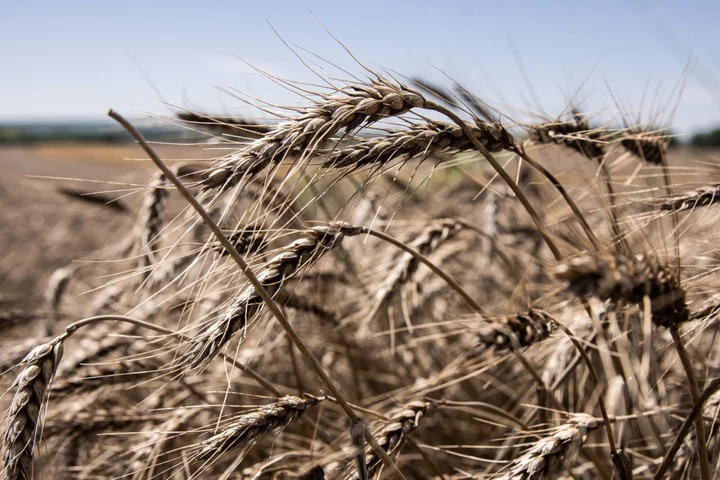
x=93, y=132
x=707, y=139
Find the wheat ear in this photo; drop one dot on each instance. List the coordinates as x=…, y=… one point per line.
x=616, y=278
x=237, y=126
x=521, y=329
x=240, y=430
x=24, y=416
x=549, y=453
x=576, y=135
x=700, y=197
x=150, y=221
x=419, y=140
x=353, y=106
x=299, y=254
x=393, y=433
x=355, y=420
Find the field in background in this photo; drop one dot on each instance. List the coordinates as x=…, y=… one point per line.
x=35, y=216
x=42, y=229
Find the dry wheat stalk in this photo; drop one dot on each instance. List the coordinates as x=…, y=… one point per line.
x=425, y=242
x=700, y=197
x=243, y=428
x=105, y=374
x=521, y=330
x=76, y=422
x=236, y=126
x=103, y=340
x=424, y=140
x=153, y=440
x=298, y=255
x=614, y=278
x=247, y=241
x=353, y=106
x=24, y=417
x=150, y=219
x=392, y=434
x=687, y=454
x=548, y=453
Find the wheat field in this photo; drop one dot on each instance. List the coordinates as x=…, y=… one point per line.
x=394, y=280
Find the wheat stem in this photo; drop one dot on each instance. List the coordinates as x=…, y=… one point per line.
x=422, y=258
x=504, y=175
x=711, y=388
x=560, y=188
x=695, y=395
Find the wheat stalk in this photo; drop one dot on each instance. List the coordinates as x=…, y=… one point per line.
x=392, y=434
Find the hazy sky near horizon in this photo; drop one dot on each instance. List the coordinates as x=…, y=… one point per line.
x=75, y=59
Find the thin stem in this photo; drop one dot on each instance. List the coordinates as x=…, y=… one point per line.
x=712, y=387
x=504, y=175
x=100, y=318
x=695, y=394
x=422, y=258
x=260, y=289
x=593, y=374
x=669, y=190
x=614, y=224
x=536, y=377
x=560, y=188
x=427, y=459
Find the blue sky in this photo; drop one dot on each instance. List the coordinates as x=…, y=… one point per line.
x=75, y=59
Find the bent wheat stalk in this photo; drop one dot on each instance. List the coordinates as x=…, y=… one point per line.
x=276, y=310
